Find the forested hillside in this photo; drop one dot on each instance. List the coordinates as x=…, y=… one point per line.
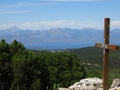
x=92, y=57
x=22, y=69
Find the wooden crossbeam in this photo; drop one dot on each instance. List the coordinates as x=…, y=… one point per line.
x=110, y=47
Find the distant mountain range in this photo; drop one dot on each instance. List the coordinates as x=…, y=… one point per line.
x=57, y=38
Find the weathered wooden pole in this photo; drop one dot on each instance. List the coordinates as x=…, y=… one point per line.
x=106, y=53
x=106, y=47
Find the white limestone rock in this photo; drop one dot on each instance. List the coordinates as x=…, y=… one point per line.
x=87, y=84
x=92, y=84
x=62, y=88
x=115, y=83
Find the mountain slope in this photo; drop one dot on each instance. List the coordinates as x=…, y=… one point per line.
x=94, y=55
x=57, y=38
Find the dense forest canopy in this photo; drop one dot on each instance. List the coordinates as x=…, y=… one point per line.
x=28, y=70
x=24, y=69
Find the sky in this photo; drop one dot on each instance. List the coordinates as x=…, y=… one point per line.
x=47, y=14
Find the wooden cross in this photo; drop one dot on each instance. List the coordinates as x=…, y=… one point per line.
x=106, y=47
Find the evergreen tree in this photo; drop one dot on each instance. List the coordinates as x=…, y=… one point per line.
x=5, y=65
x=27, y=70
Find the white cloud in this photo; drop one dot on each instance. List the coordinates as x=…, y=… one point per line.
x=16, y=8
x=42, y=25
x=58, y=24
x=15, y=11
x=115, y=24
x=15, y=5
x=45, y=24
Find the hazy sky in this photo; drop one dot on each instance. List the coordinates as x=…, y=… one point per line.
x=45, y=14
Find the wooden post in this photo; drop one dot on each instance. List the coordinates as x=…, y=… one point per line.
x=106, y=47
x=106, y=54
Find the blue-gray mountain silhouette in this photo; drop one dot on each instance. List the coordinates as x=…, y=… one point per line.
x=57, y=38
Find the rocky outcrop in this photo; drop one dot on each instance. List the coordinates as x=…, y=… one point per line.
x=87, y=84
x=92, y=84
x=115, y=84
x=63, y=89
